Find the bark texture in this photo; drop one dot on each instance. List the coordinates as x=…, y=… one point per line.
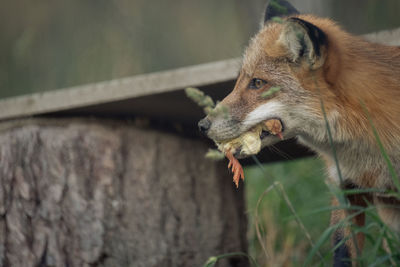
x=95, y=193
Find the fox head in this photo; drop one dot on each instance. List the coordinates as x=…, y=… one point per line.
x=287, y=55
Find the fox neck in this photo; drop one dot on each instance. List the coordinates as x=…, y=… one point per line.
x=357, y=156
x=353, y=157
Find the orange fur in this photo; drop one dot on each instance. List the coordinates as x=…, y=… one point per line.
x=357, y=71
x=352, y=79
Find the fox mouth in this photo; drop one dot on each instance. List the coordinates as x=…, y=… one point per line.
x=250, y=142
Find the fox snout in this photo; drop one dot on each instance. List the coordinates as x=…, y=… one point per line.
x=219, y=127
x=204, y=125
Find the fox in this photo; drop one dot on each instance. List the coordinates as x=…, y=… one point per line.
x=339, y=95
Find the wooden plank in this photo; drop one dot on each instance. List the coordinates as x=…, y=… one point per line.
x=121, y=96
x=389, y=37
x=120, y=89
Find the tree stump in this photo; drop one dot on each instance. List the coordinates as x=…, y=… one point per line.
x=77, y=192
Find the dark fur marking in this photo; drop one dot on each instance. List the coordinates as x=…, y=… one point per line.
x=284, y=9
x=347, y=184
x=341, y=256
x=317, y=36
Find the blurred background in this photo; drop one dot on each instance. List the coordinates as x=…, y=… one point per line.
x=46, y=45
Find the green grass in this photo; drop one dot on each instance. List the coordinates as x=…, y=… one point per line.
x=304, y=182
x=285, y=240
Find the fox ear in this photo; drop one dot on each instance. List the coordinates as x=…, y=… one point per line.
x=278, y=8
x=304, y=41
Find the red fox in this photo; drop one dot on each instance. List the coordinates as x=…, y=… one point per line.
x=326, y=77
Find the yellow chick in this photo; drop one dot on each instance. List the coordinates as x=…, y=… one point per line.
x=249, y=142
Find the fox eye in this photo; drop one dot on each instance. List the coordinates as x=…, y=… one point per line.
x=257, y=83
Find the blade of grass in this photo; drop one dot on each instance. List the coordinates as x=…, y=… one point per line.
x=339, y=194
x=279, y=187
x=378, y=242
x=329, y=131
x=213, y=260
x=324, y=237
x=379, y=261
x=257, y=221
x=298, y=220
x=388, y=162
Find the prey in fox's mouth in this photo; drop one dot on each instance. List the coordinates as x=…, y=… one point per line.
x=250, y=142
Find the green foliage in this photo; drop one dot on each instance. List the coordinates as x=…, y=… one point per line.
x=271, y=91
x=220, y=109
x=214, y=154
x=385, y=156
x=278, y=8
x=277, y=20
x=213, y=260
x=304, y=183
x=199, y=97
x=206, y=102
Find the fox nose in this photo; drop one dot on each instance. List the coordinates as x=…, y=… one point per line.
x=204, y=125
